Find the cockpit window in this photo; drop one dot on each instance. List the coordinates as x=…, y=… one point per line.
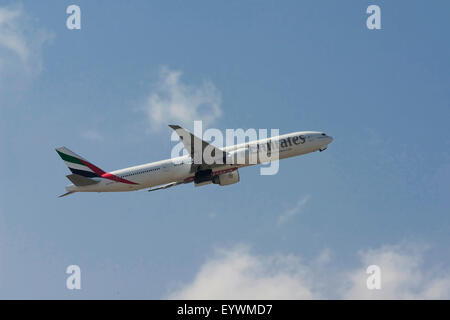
x=323, y=134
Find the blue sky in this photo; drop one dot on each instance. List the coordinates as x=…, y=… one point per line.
x=378, y=195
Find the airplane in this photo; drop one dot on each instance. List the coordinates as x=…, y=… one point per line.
x=223, y=170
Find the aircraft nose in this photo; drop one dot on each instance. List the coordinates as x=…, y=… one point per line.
x=330, y=139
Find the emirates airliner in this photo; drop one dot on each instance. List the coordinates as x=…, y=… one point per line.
x=209, y=165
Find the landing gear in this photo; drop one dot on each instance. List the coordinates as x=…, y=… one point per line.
x=323, y=149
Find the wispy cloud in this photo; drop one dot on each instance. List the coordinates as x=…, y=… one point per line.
x=92, y=135
x=172, y=101
x=21, y=44
x=239, y=274
x=301, y=203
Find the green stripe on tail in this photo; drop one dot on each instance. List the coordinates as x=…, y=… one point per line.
x=69, y=158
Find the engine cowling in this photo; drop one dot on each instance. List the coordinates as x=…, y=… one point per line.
x=226, y=178
x=203, y=176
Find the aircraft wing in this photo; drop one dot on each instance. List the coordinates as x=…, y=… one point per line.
x=196, y=148
x=165, y=186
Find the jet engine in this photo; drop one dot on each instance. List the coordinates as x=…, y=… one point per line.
x=203, y=177
x=226, y=178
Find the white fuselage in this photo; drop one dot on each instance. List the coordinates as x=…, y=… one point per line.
x=180, y=169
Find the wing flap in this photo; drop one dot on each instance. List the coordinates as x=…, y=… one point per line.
x=165, y=186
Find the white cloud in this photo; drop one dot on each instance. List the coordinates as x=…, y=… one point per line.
x=323, y=258
x=239, y=274
x=294, y=211
x=11, y=37
x=403, y=276
x=173, y=101
x=20, y=48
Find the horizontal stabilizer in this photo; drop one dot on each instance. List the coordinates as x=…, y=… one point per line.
x=81, y=181
x=66, y=194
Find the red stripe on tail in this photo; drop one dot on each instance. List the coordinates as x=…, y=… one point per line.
x=105, y=175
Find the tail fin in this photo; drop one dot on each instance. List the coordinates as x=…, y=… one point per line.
x=79, y=165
